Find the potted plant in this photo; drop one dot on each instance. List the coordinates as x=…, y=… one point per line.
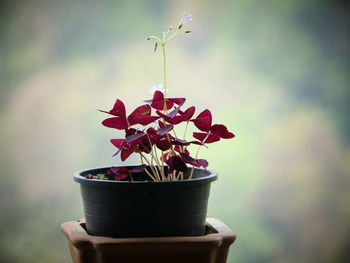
x=167, y=193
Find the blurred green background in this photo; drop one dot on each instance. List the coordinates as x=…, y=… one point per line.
x=275, y=72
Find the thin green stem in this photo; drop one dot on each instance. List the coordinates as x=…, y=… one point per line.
x=174, y=132
x=154, y=37
x=171, y=37
x=164, y=72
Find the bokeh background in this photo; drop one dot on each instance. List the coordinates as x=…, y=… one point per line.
x=275, y=72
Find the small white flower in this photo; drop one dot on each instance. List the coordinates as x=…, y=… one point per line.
x=155, y=88
x=186, y=18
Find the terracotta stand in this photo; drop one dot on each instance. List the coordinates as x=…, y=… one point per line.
x=211, y=248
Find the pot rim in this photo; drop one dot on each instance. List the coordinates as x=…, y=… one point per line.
x=212, y=176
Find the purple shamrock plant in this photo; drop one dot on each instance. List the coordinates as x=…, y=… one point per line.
x=150, y=130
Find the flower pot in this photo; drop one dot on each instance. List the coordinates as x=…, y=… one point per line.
x=211, y=248
x=145, y=208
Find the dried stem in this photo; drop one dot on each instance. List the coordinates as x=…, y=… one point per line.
x=157, y=178
x=186, y=130
x=161, y=168
x=163, y=165
x=155, y=157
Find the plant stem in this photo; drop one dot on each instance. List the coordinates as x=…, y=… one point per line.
x=151, y=167
x=150, y=163
x=161, y=169
x=155, y=157
x=200, y=146
x=185, y=130
x=164, y=68
x=132, y=179
x=174, y=35
x=163, y=164
x=150, y=175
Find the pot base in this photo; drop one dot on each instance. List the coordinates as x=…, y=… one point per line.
x=210, y=248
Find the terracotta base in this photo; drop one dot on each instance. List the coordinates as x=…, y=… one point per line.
x=211, y=248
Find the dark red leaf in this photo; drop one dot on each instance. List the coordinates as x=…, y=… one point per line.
x=180, y=149
x=143, y=110
x=186, y=151
x=221, y=131
x=138, y=169
x=177, y=120
x=173, y=113
x=178, y=101
x=203, y=121
x=151, y=131
x=118, y=109
x=135, y=137
x=141, y=115
x=177, y=141
x=153, y=135
x=119, y=173
x=164, y=157
x=196, y=162
x=163, y=144
x=174, y=119
x=113, y=170
x=201, y=136
x=161, y=124
x=118, y=142
x=164, y=117
x=189, y=112
x=144, y=145
x=159, y=105
x=165, y=130
x=143, y=120
x=117, y=169
x=203, y=163
x=158, y=101
x=125, y=153
x=176, y=163
x=188, y=159
x=130, y=131
x=118, y=123
x=119, y=176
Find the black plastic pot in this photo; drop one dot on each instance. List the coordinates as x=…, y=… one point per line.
x=145, y=208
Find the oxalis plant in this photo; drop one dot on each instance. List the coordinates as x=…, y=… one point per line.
x=150, y=130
